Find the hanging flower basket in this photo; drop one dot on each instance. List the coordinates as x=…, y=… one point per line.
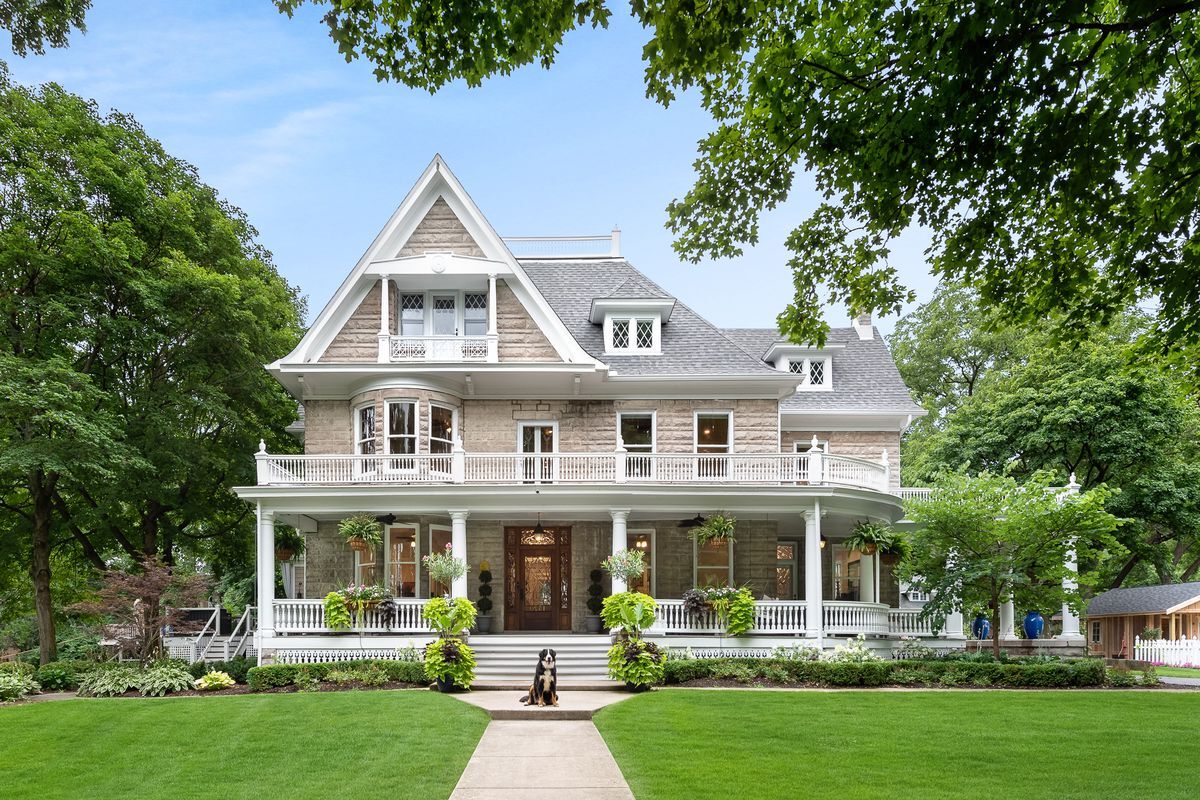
x=717, y=528
x=284, y=554
x=358, y=544
x=361, y=532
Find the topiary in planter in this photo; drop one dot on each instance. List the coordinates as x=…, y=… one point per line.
x=595, y=601
x=484, y=606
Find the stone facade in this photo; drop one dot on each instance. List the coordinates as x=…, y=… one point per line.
x=490, y=426
x=440, y=231
x=755, y=423
x=520, y=339
x=358, y=340
x=379, y=398
x=861, y=444
x=328, y=427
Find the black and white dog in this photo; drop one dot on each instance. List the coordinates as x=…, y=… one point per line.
x=544, y=689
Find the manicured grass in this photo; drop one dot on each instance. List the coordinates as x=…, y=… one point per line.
x=679, y=743
x=1177, y=672
x=396, y=744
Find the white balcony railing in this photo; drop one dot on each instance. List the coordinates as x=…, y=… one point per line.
x=770, y=469
x=908, y=622
x=852, y=618
x=443, y=348
x=308, y=616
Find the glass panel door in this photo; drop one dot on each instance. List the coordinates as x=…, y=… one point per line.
x=785, y=570
x=538, y=438
x=402, y=562
x=444, y=321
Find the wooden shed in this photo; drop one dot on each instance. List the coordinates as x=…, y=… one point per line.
x=1117, y=616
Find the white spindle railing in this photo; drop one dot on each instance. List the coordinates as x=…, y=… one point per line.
x=913, y=492
x=308, y=616
x=908, y=622
x=769, y=469
x=444, y=348
x=851, y=618
x=1169, y=652
x=778, y=617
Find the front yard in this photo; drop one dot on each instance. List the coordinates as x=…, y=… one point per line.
x=411, y=744
x=696, y=744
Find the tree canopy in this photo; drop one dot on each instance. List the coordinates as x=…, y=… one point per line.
x=984, y=540
x=1049, y=148
x=137, y=311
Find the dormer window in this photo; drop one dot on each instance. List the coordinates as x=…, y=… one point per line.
x=814, y=372
x=633, y=335
x=632, y=326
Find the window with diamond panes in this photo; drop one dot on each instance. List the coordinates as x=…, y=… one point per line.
x=474, y=314
x=412, y=315
x=816, y=373
x=645, y=334
x=796, y=366
x=620, y=334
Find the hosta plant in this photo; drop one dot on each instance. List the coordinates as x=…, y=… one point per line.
x=162, y=678
x=16, y=685
x=110, y=681
x=214, y=681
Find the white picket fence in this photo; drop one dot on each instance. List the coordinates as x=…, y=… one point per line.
x=1183, y=652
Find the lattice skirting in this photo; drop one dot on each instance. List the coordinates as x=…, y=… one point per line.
x=725, y=652
x=324, y=656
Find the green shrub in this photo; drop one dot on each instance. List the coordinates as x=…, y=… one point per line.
x=110, y=680
x=450, y=660
x=636, y=662
x=213, y=681
x=1087, y=672
x=733, y=671
x=18, y=668
x=684, y=670
x=306, y=679
x=273, y=676
x=1150, y=676
x=164, y=677
x=57, y=676
x=631, y=612
x=1121, y=676
x=235, y=668
x=15, y=685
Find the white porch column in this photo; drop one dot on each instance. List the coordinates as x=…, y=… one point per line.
x=385, y=331
x=1007, y=619
x=866, y=579
x=1070, y=620
x=491, y=304
x=458, y=543
x=953, y=629
x=812, y=573
x=265, y=577
x=620, y=541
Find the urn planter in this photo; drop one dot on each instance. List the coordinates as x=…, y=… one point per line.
x=981, y=628
x=1033, y=625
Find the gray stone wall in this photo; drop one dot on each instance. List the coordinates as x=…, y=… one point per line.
x=328, y=427
x=755, y=423
x=440, y=231
x=584, y=426
x=358, y=340
x=861, y=444
x=520, y=339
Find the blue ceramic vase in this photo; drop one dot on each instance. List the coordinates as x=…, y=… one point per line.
x=981, y=628
x=1033, y=625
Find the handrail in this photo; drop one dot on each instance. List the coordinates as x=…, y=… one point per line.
x=241, y=638
x=199, y=649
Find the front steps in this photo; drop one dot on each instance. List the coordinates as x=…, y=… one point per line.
x=512, y=658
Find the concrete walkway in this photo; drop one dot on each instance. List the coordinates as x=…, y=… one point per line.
x=542, y=753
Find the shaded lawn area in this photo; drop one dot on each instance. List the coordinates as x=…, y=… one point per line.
x=385, y=744
x=1177, y=672
x=698, y=744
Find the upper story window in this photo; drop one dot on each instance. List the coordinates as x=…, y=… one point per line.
x=475, y=313
x=441, y=429
x=364, y=431
x=402, y=427
x=443, y=313
x=412, y=315
x=815, y=373
x=632, y=335
x=636, y=429
x=714, y=431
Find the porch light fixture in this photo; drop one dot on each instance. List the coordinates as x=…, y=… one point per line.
x=538, y=528
x=822, y=541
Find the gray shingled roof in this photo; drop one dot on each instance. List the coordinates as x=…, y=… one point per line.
x=1143, y=599
x=691, y=345
x=864, y=375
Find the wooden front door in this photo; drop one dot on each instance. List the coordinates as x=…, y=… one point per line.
x=537, y=579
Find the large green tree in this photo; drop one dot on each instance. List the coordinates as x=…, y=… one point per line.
x=987, y=539
x=137, y=309
x=1051, y=148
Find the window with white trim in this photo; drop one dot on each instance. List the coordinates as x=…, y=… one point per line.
x=918, y=597
x=714, y=563
x=620, y=334
x=441, y=429
x=364, y=431
x=402, y=432
x=412, y=315
x=714, y=435
x=642, y=541
x=475, y=321
x=636, y=429
x=402, y=560
x=366, y=566
x=804, y=445
x=815, y=373
x=633, y=335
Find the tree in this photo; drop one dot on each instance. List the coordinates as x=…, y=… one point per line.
x=981, y=541
x=137, y=310
x=1102, y=412
x=33, y=24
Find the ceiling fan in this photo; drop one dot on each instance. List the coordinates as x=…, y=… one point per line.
x=694, y=522
x=386, y=519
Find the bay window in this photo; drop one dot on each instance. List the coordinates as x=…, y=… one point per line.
x=364, y=431
x=402, y=432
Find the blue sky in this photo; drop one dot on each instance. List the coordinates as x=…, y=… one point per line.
x=319, y=154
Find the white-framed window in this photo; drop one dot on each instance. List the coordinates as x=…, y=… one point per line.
x=713, y=563
x=786, y=560
x=714, y=431
x=364, y=430
x=366, y=566
x=412, y=314
x=443, y=422
x=642, y=540
x=918, y=597
x=632, y=334
x=804, y=445
x=401, y=434
x=439, y=537
x=402, y=559
x=475, y=313
x=1096, y=632
x=815, y=373
x=636, y=432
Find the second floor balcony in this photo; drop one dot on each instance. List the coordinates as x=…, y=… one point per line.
x=620, y=467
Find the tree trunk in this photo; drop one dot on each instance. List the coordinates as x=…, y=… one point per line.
x=996, y=629
x=41, y=490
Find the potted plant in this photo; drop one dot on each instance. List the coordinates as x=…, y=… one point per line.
x=632, y=659
x=359, y=597
x=625, y=565
x=288, y=543
x=361, y=532
x=484, y=623
x=870, y=538
x=448, y=659
x=443, y=567
x=718, y=527
x=595, y=601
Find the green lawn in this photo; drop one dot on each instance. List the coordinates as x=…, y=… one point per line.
x=860, y=745
x=401, y=744
x=1177, y=672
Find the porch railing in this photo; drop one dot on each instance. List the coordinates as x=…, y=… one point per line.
x=778, y=617
x=769, y=469
x=908, y=622
x=308, y=616
x=852, y=618
x=443, y=348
